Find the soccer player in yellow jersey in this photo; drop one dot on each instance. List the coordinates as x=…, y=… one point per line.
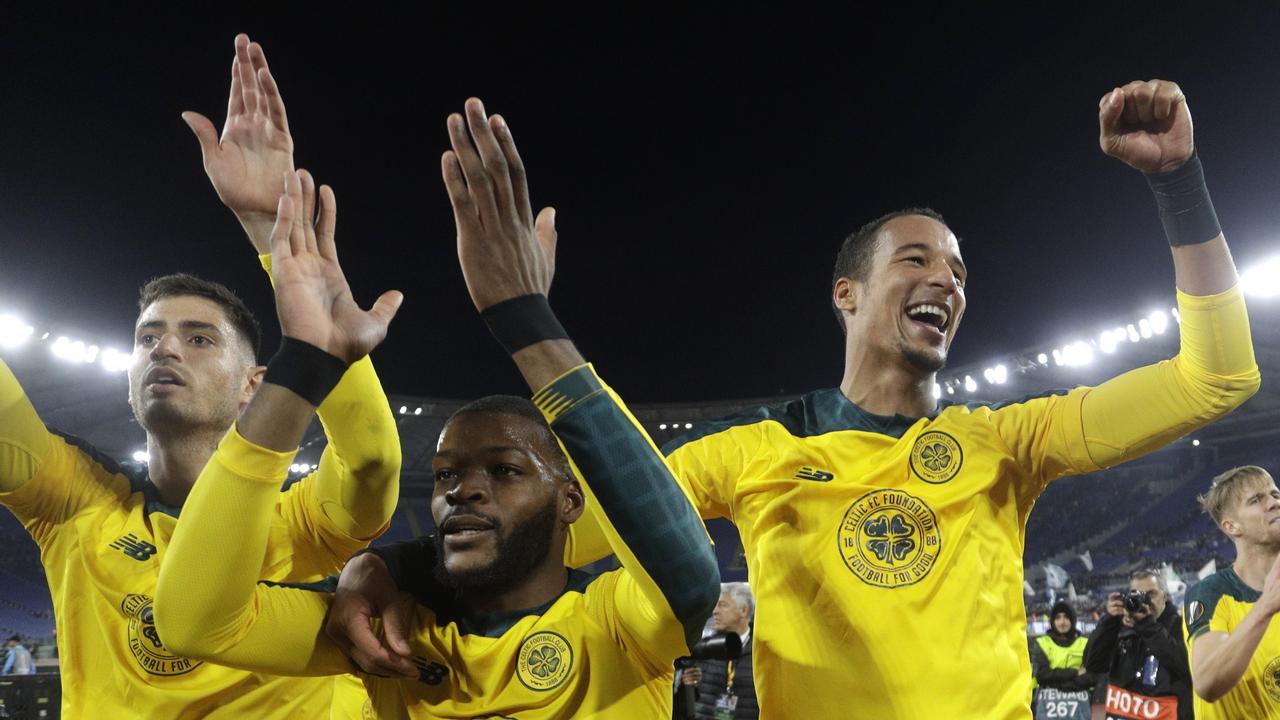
x=1235, y=648
x=884, y=528
x=103, y=528
x=512, y=632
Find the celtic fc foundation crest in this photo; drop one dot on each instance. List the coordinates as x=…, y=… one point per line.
x=545, y=661
x=1271, y=679
x=936, y=457
x=889, y=538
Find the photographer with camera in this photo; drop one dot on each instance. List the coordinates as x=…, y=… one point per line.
x=1138, y=649
x=723, y=687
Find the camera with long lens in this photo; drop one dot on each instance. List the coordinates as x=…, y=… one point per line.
x=1136, y=601
x=717, y=646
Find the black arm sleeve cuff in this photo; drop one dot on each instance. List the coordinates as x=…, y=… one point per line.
x=305, y=369
x=523, y=321
x=1185, y=208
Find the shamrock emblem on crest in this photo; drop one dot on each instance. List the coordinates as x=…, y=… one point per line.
x=936, y=456
x=892, y=537
x=543, y=662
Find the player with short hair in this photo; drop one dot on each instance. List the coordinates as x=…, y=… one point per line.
x=1235, y=650
x=104, y=527
x=883, y=527
x=507, y=630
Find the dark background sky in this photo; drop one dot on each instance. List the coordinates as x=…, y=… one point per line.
x=705, y=165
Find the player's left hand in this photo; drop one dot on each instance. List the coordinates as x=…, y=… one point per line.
x=504, y=251
x=256, y=148
x=313, y=298
x=1147, y=125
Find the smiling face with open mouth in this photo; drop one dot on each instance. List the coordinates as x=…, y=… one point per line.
x=911, y=302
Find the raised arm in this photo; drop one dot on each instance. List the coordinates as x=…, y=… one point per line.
x=1147, y=126
x=357, y=482
x=208, y=602
x=508, y=260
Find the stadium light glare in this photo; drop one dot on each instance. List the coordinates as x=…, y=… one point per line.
x=1159, y=321
x=13, y=331
x=1133, y=333
x=417, y=411
x=142, y=457
x=663, y=426
x=1262, y=280
x=1107, y=342
x=951, y=390
x=404, y=410
x=1195, y=443
x=688, y=426
x=1057, y=357
x=114, y=360
x=1177, y=316
x=1042, y=359
x=1144, y=328
x=937, y=391
x=989, y=374
x=1000, y=374
x=969, y=384
x=1077, y=354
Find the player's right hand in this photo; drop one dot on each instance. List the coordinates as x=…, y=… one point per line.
x=367, y=591
x=313, y=299
x=504, y=251
x=1269, y=602
x=256, y=148
x=691, y=675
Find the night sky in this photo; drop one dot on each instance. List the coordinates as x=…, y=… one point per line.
x=704, y=166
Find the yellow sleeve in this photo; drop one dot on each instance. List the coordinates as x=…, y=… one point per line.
x=706, y=468
x=44, y=480
x=1145, y=409
x=670, y=580
x=209, y=604
x=357, y=481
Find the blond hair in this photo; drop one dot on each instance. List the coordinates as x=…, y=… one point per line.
x=1226, y=489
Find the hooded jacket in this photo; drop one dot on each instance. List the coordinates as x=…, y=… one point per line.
x=1063, y=670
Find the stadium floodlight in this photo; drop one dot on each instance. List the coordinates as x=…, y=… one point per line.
x=114, y=360
x=1077, y=354
x=417, y=411
x=989, y=374
x=1195, y=443
x=969, y=384
x=404, y=409
x=1262, y=280
x=14, y=332
x=1159, y=321
x=951, y=390
x=1133, y=333
x=688, y=426
x=937, y=391
x=1057, y=357
x=1000, y=374
x=1177, y=316
x=1107, y=341
x=1144, y=328
x=142, y=457
x=663, y=426
x=1042, y=359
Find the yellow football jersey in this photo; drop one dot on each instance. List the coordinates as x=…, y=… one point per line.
x=885, y=553
x=1218, y=604
x=603, y=648
x=102, y=533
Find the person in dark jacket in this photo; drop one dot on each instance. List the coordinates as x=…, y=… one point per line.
x=1057, y=657
x=726, y=689
x=1142, y=651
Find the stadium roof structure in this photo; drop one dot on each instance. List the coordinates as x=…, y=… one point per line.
x=83, y=399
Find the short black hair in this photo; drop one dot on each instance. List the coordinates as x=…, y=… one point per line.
x=853, y=261
x=520, y=407
x=15, y=638
x=182, y=284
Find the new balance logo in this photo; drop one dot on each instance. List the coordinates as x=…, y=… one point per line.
x=431, y=673
x=133, y=547
x=808, y=473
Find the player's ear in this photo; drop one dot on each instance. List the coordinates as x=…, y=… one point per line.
x=572, y=501
x=252, y=381
x=844, y=295
x=1229, y=527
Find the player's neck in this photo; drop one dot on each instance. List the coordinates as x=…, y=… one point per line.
x=175, y=461
x=545, y=583
x=1253, y=562
x=886, y=386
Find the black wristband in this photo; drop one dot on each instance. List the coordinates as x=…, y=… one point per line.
x=1185, y=208
x=522, y=321
x=305, y=369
